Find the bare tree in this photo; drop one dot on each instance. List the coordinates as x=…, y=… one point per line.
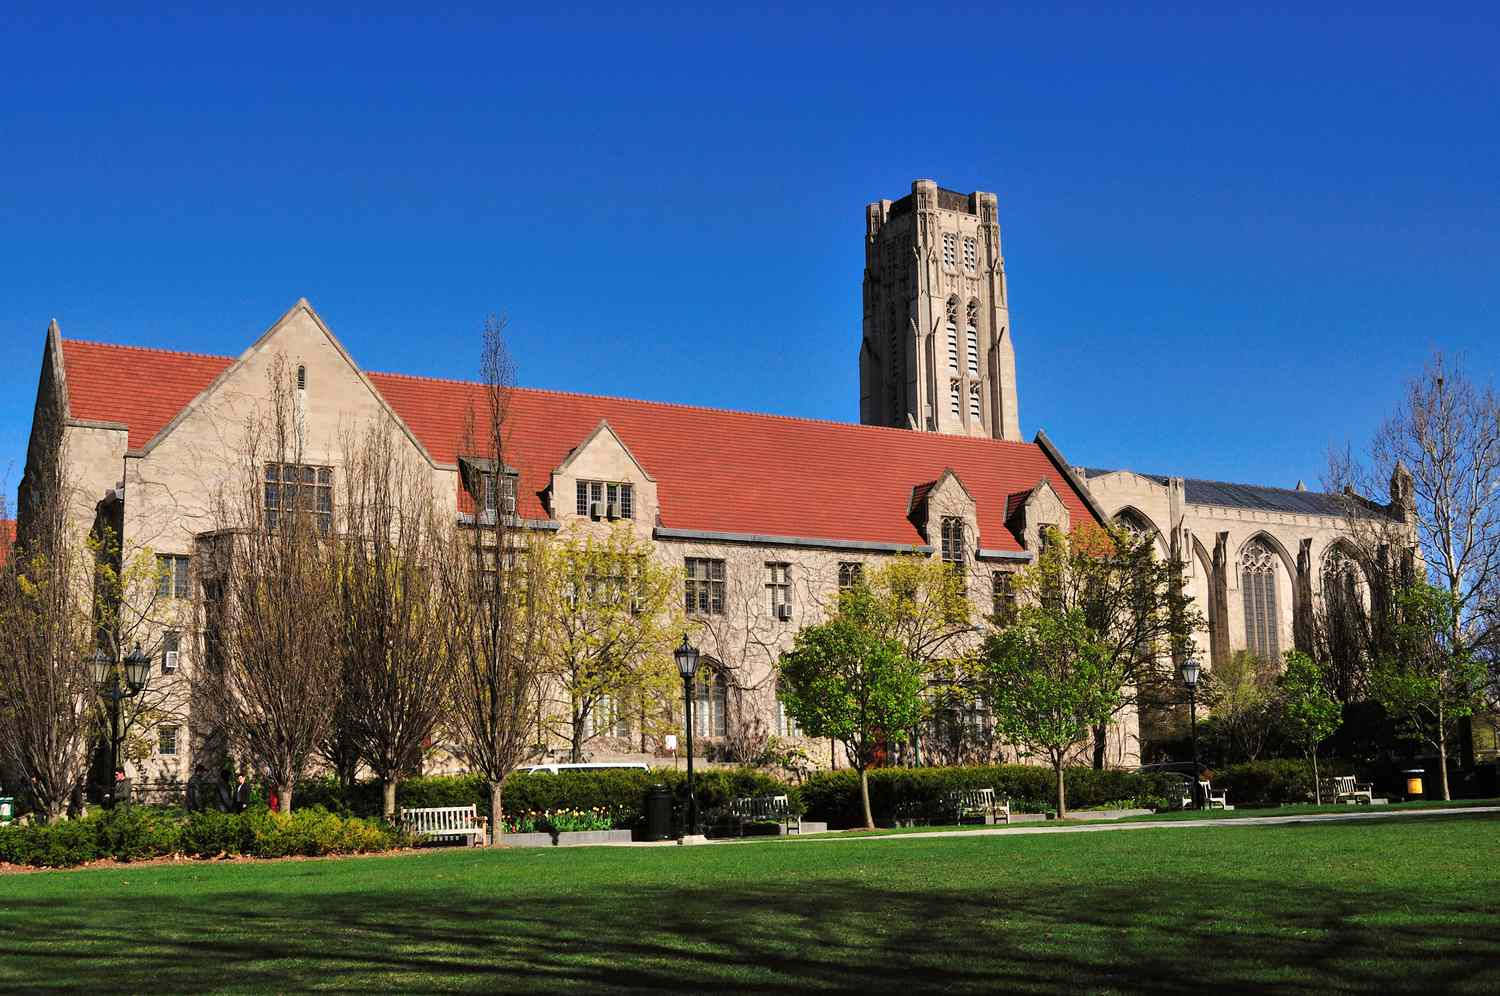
x=489, y=582
x=1440, y=453
x=269, y=681
x=48, y=704
x=396, y=670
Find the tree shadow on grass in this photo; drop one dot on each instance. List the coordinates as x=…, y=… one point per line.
x=1195, y=932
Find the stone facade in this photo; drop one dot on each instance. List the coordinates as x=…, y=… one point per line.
x=785, y=508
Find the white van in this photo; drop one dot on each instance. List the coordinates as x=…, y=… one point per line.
x=602, y=766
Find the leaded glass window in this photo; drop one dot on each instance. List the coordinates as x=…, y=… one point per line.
x=1258, y=568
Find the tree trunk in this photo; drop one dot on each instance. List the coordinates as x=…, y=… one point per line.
x=864, y=797
x=284, y=798
x=1062, y=798
x=1317, y=785
x=388, y=799
x=1443, y=761
x=497, y=814
x=1101, y=745
x=575, y=749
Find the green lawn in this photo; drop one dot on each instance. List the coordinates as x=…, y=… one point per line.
x=1400, y=905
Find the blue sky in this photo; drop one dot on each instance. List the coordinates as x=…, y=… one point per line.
x=1228, y=236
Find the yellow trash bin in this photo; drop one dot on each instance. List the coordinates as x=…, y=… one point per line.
x=1414, y=782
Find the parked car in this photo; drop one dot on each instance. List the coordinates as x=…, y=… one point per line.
x=600, y=766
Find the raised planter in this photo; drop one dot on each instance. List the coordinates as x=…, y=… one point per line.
x=579, y=837
x=527, y=840
x=1107, y=814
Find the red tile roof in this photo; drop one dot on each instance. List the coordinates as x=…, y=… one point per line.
x=143, y=388
x=716, y=471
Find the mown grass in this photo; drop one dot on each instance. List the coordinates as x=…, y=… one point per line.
x=1397, y=905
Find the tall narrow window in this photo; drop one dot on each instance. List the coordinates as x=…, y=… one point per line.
x=1003, y=592
x=173, y=577
x=1258, y=584
x=955, y=398
x=171, y=648
x=976, y=409
x=779, y=588
x=953, y=542
x=953, y=336
x=302, y=378
x=786, y=723
x=950, y=250
x=166, y=744
x=710, y=703
x=970, y=253
x=971, y=333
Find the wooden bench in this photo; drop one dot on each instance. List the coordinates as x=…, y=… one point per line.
x=1346, y=789
x=977, y=803
x=1212, y=799
x=764, y=809
x=446, y=821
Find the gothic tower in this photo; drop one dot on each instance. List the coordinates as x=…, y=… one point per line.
x=937, y=351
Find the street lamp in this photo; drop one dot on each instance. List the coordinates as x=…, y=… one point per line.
x=687, y=666
x=106, y=674
x=1190, y=669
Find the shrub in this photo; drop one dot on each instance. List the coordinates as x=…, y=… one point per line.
x=136, y=833
x=918, y=793
x=620, y=792
x=1269, y=783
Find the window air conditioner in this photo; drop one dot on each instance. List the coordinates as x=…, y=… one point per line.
x=784, y=611
x=614, y=510
x=509, y=504
x=596, y=510
x=169, y=662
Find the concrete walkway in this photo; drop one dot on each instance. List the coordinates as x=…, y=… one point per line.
x=1228, y=821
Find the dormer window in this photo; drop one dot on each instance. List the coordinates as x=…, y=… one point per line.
x=501, y=493
x=606, y=500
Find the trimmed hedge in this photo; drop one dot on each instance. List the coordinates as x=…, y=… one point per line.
x=621, y=791
x=918, y=793
x=137, y=833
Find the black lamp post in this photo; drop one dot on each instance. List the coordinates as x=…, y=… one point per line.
x=106, y=674
x=1190, y=669
x=687, y=666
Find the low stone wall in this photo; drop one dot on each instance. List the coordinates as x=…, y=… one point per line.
x=578, y=838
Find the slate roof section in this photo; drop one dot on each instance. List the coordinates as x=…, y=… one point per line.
x=717, y=471
x=1255, y=496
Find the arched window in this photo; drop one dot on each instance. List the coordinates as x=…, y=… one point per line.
x=1343, y=580
x=710, y=702
x=1258, y=564
x=953, y=336
x=972, y=331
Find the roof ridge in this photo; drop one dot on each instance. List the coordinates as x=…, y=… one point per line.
x=683, y=406
x=148, y=349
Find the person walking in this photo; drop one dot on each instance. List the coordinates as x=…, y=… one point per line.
x=240, y=798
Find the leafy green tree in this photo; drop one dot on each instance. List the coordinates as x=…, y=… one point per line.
x=1245, y=698
x=1432, y=679
x=845, y=680
x=1050, y=680
x=1130, y=598
x=1309, y=713
x=612, y=618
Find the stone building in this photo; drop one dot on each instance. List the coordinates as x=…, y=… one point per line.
x=766, y=517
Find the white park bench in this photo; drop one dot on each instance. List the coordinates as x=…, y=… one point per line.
x=764, y=809
x=1346, y=789
x=446, y=821
x=1212, y=799
x=979, y=804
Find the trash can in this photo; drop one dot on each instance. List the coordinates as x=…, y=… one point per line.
x=7, y=809
x=1413, y=778
x=658, y=810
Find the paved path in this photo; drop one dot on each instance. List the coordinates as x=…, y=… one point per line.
x=1229, y=821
